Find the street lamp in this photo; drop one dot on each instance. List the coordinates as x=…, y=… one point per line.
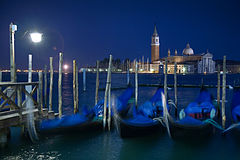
x=36, y=37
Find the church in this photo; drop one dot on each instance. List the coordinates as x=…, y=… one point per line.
x=187, y=62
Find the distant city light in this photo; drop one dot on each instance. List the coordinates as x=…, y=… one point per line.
x=65, y=66
x=36, y=37
x=184, y=69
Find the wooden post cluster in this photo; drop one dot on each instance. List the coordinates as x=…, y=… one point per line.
x=106, y=93
x=218, y=90
x=175, y=87
x=136, y=83
x=75, y=86
x=60, y=85
x=224, y=92
x=165, y=80
x=97, y=83
x=51, y=83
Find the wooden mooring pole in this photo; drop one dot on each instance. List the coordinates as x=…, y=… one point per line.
x=165, y=80
x=12, y=29
x=109, y=102
x=40, y=92
x=29, y=87
x=74, y=87
x=45, y=86
x=106, y=93
x=30, y=69
x=84, y=79
x=97, y=83
x=175, y=87
x=51, y=83
x=0, y=80
x=136, y=83
x=224, y=92
x=60, y=85
x=19, y=100
x=218, y=90
x=77, y=100
x=147, y=64
x=128, y=78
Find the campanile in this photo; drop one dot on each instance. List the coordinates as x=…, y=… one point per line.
x=155, y=46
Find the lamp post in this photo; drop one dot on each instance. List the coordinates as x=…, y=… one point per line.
x=12, y=29
x=36, y=38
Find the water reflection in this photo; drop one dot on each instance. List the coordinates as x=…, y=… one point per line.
x=141, y=147
x=67, y=93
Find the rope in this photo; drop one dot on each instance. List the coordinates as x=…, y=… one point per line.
x=172, y=103
x=214, y=123
x=160, y=119
x=235, y=125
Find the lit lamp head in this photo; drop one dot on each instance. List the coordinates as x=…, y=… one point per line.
x=13, y=27
x=36, y=37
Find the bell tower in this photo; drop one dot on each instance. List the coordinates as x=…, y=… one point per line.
x=155, y=46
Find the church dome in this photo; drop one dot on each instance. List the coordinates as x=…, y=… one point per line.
x=188, y=50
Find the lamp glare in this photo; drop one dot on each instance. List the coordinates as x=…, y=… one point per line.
x=36, y=37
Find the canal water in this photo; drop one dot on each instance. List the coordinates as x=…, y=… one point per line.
x=108, y=145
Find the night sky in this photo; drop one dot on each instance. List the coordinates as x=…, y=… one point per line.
x=90, y=30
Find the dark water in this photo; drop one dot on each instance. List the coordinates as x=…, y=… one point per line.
x=108, y=145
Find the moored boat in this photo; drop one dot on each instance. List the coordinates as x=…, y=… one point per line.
x=195, y=120
x=85, y=120
x=235, y=112
x=141, y=120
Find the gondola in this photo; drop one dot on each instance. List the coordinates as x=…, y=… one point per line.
x=235, y=112
x=235, y=108
x=140, y=120
x=195, y=120
x=88, y=119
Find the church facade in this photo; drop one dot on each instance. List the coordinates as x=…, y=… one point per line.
x=206, y=65
x=187, y=62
